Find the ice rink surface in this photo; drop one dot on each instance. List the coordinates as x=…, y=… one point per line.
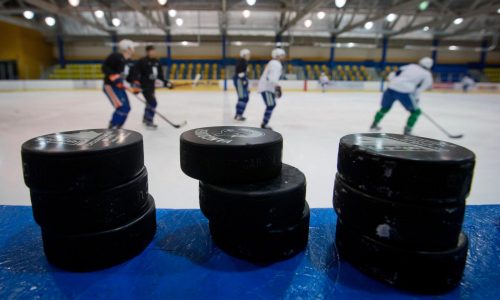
x=311, y=123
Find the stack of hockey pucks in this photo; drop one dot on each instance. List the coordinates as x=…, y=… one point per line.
x=400, y=202
x=89, y=192
x=255, y=204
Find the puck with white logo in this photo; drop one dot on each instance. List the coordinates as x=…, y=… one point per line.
x=406, y=168
x=230, y=154
x=90, y=212
x=262, y=245
x=83, y=160
x=93, y=251
x=280, y=200
x=418, y=227
x=417, y=271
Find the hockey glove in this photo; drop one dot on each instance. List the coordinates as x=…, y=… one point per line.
x=278, y=92
x=168, y=84
x=135, y=87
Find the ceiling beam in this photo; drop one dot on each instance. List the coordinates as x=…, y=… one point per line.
x=223, y=17
x=398, y=8
x=54, y=9
x=307, y=9
x=136, y=5
x=26, y=24
x=485, y=9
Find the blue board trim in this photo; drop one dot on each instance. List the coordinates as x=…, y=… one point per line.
x=182, y=262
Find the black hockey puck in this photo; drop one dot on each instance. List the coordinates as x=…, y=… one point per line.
x=84, y=160
x=406, y=168
x=87, y=252
x=229, y=154
x=90, y=212
x=259, y=245
x=280, y=200
x=418, y=227
x=417, y=271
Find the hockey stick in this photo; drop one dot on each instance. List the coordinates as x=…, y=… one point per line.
x=159, y=114
x=195, y=82
x=452, y=136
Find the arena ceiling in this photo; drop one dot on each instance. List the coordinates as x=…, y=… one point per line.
x=316, y=20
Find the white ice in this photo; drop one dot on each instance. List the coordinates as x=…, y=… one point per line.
x=311, y=123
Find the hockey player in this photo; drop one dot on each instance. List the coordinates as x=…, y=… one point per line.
x=116, y=70
x=269, y=84
x=405, y=85
x=467, y=83
x=148, y=72
x=323, y=81
x=240, y=80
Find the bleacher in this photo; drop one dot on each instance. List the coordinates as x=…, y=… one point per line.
x=212, y=70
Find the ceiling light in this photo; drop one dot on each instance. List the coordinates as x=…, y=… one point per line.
x=350, y=45
x=246, y=13
x=184, y=43
x=28, y=14
x=458, y=21
x=321, y=15
x=162, y=2
x=172, y=13
x=74, y=3
x=423, y=5
x=251, y=2
x=391, y=17
x=116, y=22
x=453, y=48
x=340, y=3
x=426, y=28
x=179, y=21
x=498, y=11
x=308, y=23
x=99, y=13
x=368, y=25
x=50, y=21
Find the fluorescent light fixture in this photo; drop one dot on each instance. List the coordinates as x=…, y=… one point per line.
x=453, y=48
x=246, y=13
x=350, y=45
x=184, y=43
x=368, y=25
x=340, y=3
x=172, y=13
x=391, y=17
x=308, y=23
x=321, y=15
x=74, y=3
x=116, y=22
x=99, y=14
x=162, y=2
x=251, y=2
x=238, y=43
x=426, y=28
x=50, y=21
x=179, y=21
x=28, y=14
x=423, y=5
x=458, y=21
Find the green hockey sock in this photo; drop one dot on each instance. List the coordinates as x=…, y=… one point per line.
x=412, y=119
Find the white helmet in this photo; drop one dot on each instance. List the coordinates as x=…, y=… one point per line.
x=125, y=45
x=278, y=52
x=244, y=52
x=426, y=62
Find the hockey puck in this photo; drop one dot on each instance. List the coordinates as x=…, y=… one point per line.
x=84, y=160
x=88, y=252
x=417, y=271
x=280, y=200
x=91, y=212
x=229, y=154
x=259, y=245
x=413, y=226
x=406, y=168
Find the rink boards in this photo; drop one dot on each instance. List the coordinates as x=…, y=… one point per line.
x=182, y=262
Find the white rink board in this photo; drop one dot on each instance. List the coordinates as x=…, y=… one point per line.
x=311, y=123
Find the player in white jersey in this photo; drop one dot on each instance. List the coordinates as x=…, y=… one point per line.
x=405, y=85
x=467, y=83
x=269, y=84
x=323, y=81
